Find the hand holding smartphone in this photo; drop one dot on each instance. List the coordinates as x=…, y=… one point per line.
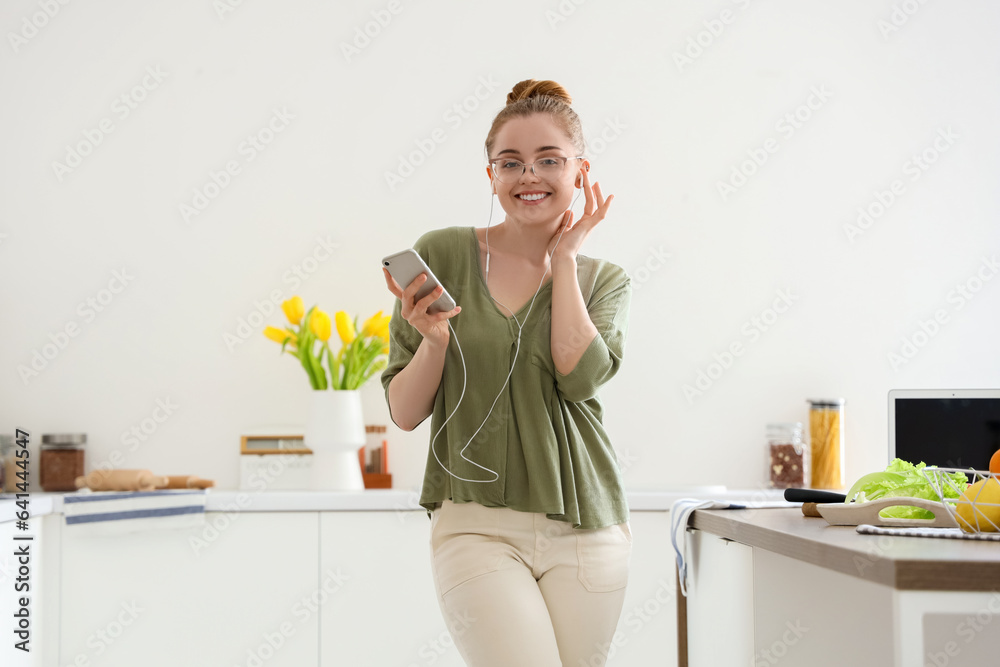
x=405, y=266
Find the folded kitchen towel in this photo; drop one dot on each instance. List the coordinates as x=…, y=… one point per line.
x=117, y=512
x=950, y=533
x=680, y=514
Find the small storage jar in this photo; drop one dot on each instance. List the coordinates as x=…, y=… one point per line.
x=62, y=460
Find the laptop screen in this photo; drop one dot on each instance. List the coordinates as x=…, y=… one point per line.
x=953, y=430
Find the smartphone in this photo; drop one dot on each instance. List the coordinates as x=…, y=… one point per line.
x=406, y=265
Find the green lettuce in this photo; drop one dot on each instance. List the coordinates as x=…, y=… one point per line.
x=903, y=479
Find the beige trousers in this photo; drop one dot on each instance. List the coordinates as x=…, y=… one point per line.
x=519, y=589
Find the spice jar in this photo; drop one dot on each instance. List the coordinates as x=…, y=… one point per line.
x=826, y=437
x=8, y=466
x=61, y=461
x=788, y=458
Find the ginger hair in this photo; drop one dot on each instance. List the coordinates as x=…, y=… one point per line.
x=529, y=97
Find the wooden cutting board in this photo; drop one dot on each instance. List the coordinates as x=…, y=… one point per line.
x=855, y=514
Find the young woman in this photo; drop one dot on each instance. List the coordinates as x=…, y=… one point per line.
x=530, y=540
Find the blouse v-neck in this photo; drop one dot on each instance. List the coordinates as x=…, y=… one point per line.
x=486, y=288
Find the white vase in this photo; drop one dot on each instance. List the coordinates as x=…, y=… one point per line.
x=334, y=431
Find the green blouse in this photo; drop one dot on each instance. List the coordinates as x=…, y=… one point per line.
x=545, y=438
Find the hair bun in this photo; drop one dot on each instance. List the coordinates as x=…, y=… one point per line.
x=530, y=97
x=532, y=88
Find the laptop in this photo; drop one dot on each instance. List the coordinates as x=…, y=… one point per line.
x=948, y=428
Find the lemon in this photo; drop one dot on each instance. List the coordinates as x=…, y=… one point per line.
x=984, y=515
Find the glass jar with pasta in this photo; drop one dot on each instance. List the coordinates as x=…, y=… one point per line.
x=826, y=439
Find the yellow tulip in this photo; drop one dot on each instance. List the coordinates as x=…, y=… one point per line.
x=383, y=328
x=277, y=335
x=294, y=309
x=319, y=324
x=377, y=325
x=345, y=327
x=371, y=325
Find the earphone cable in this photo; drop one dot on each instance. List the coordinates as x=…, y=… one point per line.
x=465, y=374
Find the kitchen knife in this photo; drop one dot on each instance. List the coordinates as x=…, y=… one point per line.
x=813, y=496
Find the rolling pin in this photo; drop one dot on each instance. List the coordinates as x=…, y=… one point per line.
x=120, y=480
x=186, y=482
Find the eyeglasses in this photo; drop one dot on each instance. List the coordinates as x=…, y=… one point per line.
x=509, y=170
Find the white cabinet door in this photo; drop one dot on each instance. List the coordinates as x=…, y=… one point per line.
x=947, y=628
x=809, y=615
x=720, y=602
x=241, y=591
x=385, y=611
x=647, y=630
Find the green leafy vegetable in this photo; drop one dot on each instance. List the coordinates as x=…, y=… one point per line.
x=903, y=479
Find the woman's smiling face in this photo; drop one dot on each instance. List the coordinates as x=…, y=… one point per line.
x=531, y=198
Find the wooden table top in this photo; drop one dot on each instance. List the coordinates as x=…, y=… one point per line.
x=904, y=563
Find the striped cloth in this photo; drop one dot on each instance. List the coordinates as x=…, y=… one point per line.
x=950, y=533
x=680, y=514
x=118, y=512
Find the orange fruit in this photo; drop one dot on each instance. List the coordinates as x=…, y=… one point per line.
x=978, y=510
x=995, y=463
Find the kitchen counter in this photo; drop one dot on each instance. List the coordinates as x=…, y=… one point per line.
x=223, y=500
x=903, y=563
x=777, y=584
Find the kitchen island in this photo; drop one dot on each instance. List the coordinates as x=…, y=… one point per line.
x=781, y=587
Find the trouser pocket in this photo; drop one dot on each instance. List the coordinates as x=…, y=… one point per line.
x=604, y=555
x=465, y=543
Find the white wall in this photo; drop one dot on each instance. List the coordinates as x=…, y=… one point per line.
x=674, y=132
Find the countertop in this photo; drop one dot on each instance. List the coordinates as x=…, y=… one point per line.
x=904, y=563
x=222, y=500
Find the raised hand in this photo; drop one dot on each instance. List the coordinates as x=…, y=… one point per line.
x=573, y=235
